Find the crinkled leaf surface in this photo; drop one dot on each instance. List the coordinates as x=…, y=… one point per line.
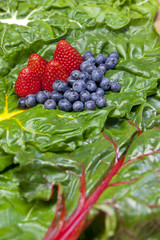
x=131, y=200
x=19, y=219
x=51, y=146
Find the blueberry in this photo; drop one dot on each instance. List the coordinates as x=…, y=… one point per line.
x=50, y=104
x=48, y=94
x=102, y=67
x=100, y=91
x=72, y=96
x=90, y=77
x=105, y=84
x=65, y=105
x=60, y=86
x=75, y=74
x=101, y=102
x=114, y=55
x=66, y=93
x=30, y=100
x=90, y=105
x=115, y=86
x=79, y=86
x=101, y=58
x=84, y=76
x=84, y=65
x=78, y=106
x=87, y=55
x=85, y=96
x=91, y=60
x=70, y=81
x=97, y=75
x=91, y=86
x=56, y=96
x=89, y=68
x=94, y=96
x=56, y=83
x=21, y=103
x=41, y=97
x=111, y=62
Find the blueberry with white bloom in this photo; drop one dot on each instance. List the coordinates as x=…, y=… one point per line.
x=84, y=65
x=101, y=102
x=78, y=106
x=79, y=86
x=102, y=67
x=87, y=55
x=65, y=105
x=97, y=75
x=85, y=96
x=75, y=74
x=70, y=81
x=21, y=102
x=90, y=68
x=66, y=93
x=101, y=58
x=90, y=77
x=94, y=96
x=100, y=91
x=73, y=96
x=84, y=76
x=114, y=55
x=90, y=105
x=56, y=83
x=91, y=86
x=41, y=97
x=111, y=63
x=48, y=94
x=115, y=86
x=60, y=86
x=56, y=96
x=30, y=100
x=105, y=84
x=50, y=104
x=91, y=60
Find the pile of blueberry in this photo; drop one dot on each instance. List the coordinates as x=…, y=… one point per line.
x=84, y=89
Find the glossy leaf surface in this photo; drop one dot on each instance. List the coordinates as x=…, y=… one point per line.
x=43, y=153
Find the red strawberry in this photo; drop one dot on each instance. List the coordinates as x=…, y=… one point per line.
x=54, y=71
x=37, y=64
x=27, y=83
x=67, y=56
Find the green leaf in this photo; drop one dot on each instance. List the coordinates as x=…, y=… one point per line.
x=20, y=219
x=51, y=147
x=134, y=187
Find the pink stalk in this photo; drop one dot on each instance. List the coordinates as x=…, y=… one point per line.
x=114, y=144
x=72, y=228
x=139, y=130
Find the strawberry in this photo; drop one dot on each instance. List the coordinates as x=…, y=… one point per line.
x=37, y=64
x=27, y=83
x=54, y=71
x=67, y=56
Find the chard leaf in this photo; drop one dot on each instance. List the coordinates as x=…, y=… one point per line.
x=130, y=193
x=39, y=173
x=20, y=219
x=96, y=168
x=49, y=130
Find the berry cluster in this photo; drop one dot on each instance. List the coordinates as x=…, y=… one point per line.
x=31, y=100
x=83, y=90
x=40, y=74
x=66, y=98
x=97, y=67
